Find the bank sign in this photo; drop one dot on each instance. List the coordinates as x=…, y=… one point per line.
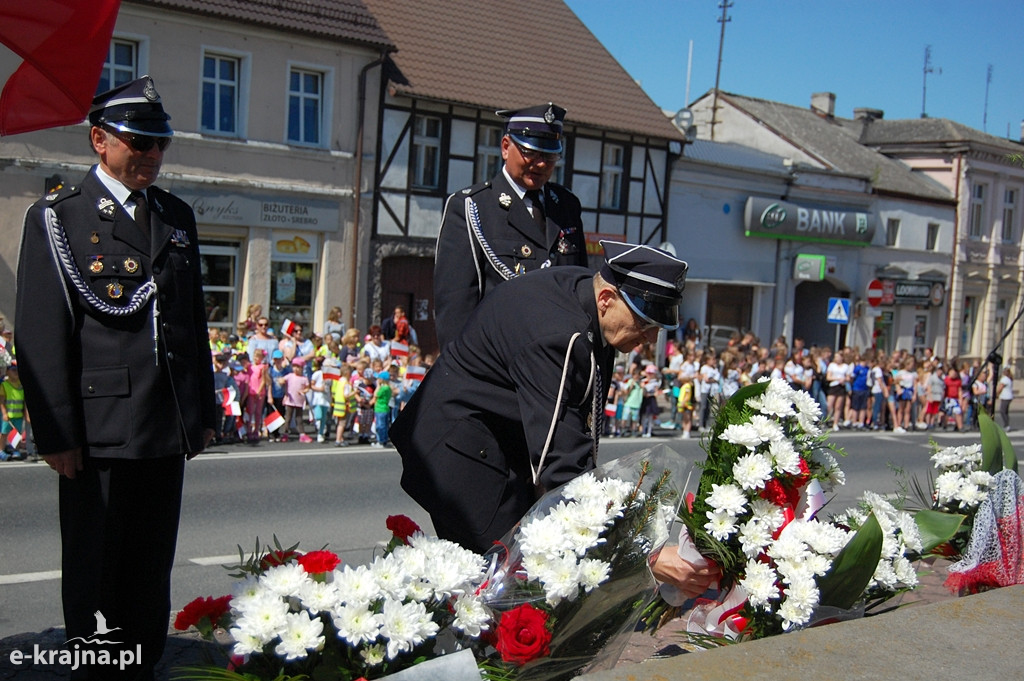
x=784, y=220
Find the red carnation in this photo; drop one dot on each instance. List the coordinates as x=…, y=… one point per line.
x=523, y=635
x=275, y=558
x=316, y=562
x=211, y=608
x=402, y=527
x=775, y=492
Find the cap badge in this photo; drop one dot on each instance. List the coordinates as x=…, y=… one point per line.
x=106, y=206
x=504, y=200
x=115, y=290
x=131, y=265
x=96, y=266
x=149, y=91
x=549, y=115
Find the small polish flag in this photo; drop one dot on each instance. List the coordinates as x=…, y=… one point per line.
x=14, y=437
x=332, y=373
x=609, y=410
x=399, y=349
x=230, y=406
x=273, y=421
x=288, y=327
x=415, y=373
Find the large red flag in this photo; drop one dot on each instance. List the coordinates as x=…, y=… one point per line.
x=64, y=44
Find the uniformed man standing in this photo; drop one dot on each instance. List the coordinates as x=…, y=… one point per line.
x=513, y=405
x=114, y=355
x=515, y=223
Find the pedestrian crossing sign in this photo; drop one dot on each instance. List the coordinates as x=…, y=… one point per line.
x=839, y=310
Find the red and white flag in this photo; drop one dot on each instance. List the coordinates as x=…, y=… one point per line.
x=332, y=373
x=230, y=406
x=415, y=373
x=14, y=437
x=273, y=421
x=399, y=349
x=288, y=327
x=609, y=410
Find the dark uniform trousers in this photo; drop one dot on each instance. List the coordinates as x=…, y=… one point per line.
x=468, y=265
x=484, y=411
x=135, y=404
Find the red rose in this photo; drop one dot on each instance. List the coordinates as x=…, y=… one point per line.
x=316, y=562
x=192, y=614
x=523, y=635
x=402, y=527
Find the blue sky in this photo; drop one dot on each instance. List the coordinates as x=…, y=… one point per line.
x=869, y=53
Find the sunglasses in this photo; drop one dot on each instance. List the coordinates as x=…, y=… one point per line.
x=140, y=143
x=530, y=155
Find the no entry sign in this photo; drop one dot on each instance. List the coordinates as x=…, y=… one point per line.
x=874, y=293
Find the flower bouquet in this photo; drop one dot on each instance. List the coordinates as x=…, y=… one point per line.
x=768, y=467
x=572, y=579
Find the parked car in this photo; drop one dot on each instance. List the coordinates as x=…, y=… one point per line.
x=718, y=337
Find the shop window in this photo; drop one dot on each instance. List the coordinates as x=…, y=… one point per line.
x=218, y=261
x=121, y=65
x=305, y=106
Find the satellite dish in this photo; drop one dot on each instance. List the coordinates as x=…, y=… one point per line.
x=668, y=248
x=683, y=119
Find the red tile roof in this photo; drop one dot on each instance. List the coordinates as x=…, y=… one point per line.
x=495, y=55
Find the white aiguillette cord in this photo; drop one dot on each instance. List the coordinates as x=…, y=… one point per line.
x=558, y=400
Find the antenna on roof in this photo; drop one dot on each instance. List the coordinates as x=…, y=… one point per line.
x=984, y=118
x=723, y=20
x=927, y=69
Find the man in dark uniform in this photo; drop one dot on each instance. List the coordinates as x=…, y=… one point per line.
x=114, y=355
x=513, y=405
x=518, y=222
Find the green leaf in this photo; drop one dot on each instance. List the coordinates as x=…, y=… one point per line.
x=740, y=397
x=991, y=445
x=1009, y=456
x=936, y=527
x=844, y=584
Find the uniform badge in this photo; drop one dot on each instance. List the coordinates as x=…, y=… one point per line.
x=504, y=200
x=180, y=238
x=563, y=246
x=106, y=206
x=131, y=265
x=96, y=266
x=95, y=238
x=545, y=264
x=519, y=269
x=525, y=251
x=553, y=196
x=51, y=197
x=115, y=290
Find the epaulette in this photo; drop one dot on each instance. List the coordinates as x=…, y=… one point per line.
x=61, y=194
x=478, y=187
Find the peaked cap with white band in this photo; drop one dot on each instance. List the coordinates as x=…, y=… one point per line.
x=536, y=127
x=132, y=107
x=649, y=279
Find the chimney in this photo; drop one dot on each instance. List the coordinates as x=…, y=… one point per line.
x=866, y=114
x=824, y=103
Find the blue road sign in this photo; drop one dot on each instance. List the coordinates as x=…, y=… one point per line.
x=839, y=310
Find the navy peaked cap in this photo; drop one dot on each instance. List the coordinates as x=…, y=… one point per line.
x=536, y=127
x=649, y=279
x=132, y=107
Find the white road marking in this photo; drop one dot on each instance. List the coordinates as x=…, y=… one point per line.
x=25, y=577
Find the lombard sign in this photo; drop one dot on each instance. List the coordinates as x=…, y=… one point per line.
x=253, y=211
x=919, y=292
x=784, y=220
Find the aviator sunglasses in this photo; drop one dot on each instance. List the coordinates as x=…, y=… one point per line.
x=140, y=143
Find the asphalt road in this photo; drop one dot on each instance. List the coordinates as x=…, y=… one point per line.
x=317, y=495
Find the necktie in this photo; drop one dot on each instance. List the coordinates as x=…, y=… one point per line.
x=141, y=211
x=538, y=208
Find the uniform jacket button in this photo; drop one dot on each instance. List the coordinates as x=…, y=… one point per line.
x=170, y=355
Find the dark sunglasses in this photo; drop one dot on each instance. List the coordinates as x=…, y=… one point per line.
x=530, y=155
x=140, y=143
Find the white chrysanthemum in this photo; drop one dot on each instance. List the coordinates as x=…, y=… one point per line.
x=373, y=656
x=319, y=596
x=909, y=531
x=784, y=456
x=390, y=575
x=789, y=546
x=743, y=434
x=760, y=583
x=357, y=624
x=777, y=401
x=829, y=468
x=356, y=585
x=285, y=580
x=971, y=495
x=809, y=424
x=947, y=487
x=905, y=572
x=754, y=537
x=471, y=617
x=583, y=487
x=544, y=535
x=767, y=513
x=246, y=642
x=264, y=617
x=793, y=571
x=752, y=470
x=766, y=428
x=801, y=597
x=807, y=407
x=616, y=492
x=593, y=573
x=561, y=579
x=948, y=457
x=884, y=576
x=981, y=478
x=302, y=634
x=405, y=626
x=728, y=498
x=245, y=592
x=721, y=524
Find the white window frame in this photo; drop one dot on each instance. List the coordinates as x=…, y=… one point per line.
x=244, y=61
x=141, y=46
x=612, y=175
x=326, y=98
x=892, y=232
x=233, y=252
x=421, y=144
x=488, y=156
x=1009, y=228
x=976, y=217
